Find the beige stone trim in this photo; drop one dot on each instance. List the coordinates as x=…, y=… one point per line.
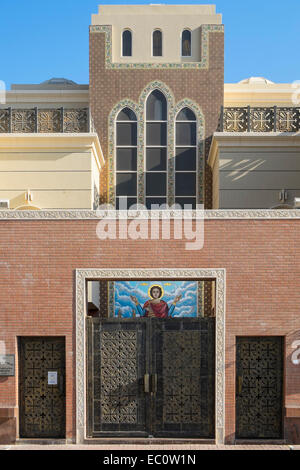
x=82, y=275
x=219, y=214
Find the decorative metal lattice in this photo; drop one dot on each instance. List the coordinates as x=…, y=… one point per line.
x=118, y=376
x=76, y=120
x=23, y=120
x=115, y=379
x=262, y=119
x=45, y=120
x=273, y=119
x=235, y=120
x=49, y=120
x=184, y=403
x=151, y=376
x=42, y=406
x=4, y=120
x=288, y=119
x=259, y=387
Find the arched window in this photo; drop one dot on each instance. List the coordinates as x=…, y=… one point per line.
x=157, y=43
x=126, y=43
x=186, y=158
x=126, y=158
x=156, y=149
x=186, y=43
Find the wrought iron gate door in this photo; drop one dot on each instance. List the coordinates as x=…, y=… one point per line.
x=42, y=387
x=183, y=356
x=116, y=371
x=151, y=377
x=259, y=387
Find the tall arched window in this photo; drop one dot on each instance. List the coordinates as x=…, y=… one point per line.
x=186, y=158
x=126, y=43
x=156, y=149
x=186, y=43
x=126, y=157
x=157, y=43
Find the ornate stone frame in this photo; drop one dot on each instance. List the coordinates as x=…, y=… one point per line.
x=139, y=109
x=206, y=29
x=83, y=275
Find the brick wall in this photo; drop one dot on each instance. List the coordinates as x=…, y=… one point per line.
x=262, y=259
x=109, y=86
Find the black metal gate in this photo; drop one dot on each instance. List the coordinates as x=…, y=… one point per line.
x=42, y=387
x=151, y=377
x=259, y=387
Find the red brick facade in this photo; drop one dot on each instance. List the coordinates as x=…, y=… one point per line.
x=37, y=285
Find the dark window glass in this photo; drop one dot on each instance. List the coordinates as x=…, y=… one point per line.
x=126, y=133
x=191, y=201
x=185, y=184
x=185, y=133
x=156, y=159
x=126, y=114
x=156, y=134
x=150, y=201
x=127, y=43
x=186, y=40
x=156, y=184
x=126, y=159
x=157, y=43
x=126, y=184
x=156, y=107
x=130, y=201
x=186, y=114
x=185, y=159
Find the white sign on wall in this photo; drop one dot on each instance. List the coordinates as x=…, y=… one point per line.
x=52, y=378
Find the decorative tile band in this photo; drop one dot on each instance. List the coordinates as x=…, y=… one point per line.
x=82, y=275
x=221, y=214
x=139, y=110
x=203, y=64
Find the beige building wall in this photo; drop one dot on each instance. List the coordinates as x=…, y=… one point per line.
x=142, y=20
x=251, y=170
x=60, y=171
x=261, y=92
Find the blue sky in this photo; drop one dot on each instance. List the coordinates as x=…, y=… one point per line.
x=40, y=40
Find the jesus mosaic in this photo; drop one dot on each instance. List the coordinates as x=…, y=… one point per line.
x=155, y=306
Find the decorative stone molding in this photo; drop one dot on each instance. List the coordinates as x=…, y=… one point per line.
x=82, y=275
x=238, y=214
x=202, y=64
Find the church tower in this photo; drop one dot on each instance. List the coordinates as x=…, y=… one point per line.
x=156, y=92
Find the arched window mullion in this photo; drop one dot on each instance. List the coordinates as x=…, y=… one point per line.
x=156, y=149
x=126, y=158
x=186, y=157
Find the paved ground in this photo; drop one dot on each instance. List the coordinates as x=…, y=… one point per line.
x=149, y=447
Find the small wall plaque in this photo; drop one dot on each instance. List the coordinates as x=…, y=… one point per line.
x=52, y=378
x=7, y=365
